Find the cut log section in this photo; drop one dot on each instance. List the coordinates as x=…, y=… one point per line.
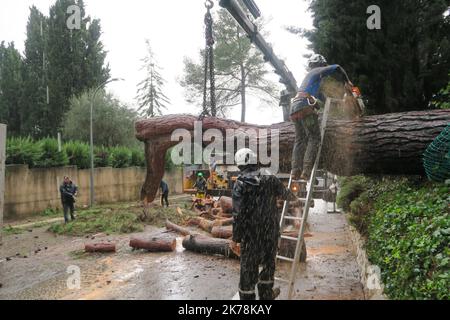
x=381, y=144
x=155, y=244
x=208, y=245
x=222, y=232
x=100, y=247
x=226, y=203
x=174, y=227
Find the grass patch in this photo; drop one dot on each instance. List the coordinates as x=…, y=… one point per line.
x=119, y=219
x=50, y=212
x=9, y=230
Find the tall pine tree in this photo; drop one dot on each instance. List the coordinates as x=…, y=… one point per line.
x=150, y=94
x=65, y=61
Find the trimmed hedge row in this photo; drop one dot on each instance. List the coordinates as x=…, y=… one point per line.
x=44, y=154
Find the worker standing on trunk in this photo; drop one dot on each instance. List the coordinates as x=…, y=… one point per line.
x=309, y=99
x=256, y=225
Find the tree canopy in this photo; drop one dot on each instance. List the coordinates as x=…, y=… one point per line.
x=400, y=67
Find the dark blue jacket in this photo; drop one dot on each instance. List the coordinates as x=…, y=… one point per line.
x=164, y=187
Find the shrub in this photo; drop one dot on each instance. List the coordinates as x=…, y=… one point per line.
x=351, y=188
x=409, y=239
x=50, y=156
x=78, y=153
x=137, y=158
x=22, y=151
x=120, y=157
x=102, y=157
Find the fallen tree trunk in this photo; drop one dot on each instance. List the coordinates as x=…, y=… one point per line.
x=208, y=245
x=382, y=144
x=155, y=244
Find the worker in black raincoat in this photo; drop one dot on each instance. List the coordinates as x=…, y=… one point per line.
x=256, y=225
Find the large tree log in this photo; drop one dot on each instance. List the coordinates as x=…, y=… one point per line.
x=208, y=245
x=383, y=144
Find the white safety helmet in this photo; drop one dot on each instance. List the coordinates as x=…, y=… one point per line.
x=245, y=157
x=316, y=60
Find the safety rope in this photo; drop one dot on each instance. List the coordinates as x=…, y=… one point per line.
x=209, y=65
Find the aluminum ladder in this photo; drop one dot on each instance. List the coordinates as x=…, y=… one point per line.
x=307, y=203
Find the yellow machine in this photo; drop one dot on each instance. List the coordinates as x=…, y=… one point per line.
x=219, y=181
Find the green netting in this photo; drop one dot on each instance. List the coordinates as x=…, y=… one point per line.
x=436, y=159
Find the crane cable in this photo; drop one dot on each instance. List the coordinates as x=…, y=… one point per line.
x=209, y=64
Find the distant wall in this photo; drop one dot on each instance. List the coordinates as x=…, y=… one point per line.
x=30, y=191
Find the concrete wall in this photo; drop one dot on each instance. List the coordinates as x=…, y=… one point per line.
x=30, y=191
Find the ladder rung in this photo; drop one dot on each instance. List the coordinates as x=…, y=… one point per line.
x=288, y=238
x=300, y=181
x=292, y=218
x=281, y=280
x=285, y=258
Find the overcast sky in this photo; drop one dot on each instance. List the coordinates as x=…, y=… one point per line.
x=175, y=30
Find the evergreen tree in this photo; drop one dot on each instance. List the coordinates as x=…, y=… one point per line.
x=59, y=63
x=150, y=96
x=240, y=69
x=11, y=82
x=34, y=108
x=399, y=67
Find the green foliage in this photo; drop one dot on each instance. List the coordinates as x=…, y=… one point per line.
x=58, y=63
x=407, y=225
x=137, y=158
x=409, y=240
x=22, y=151
x=113, y=122
x=99, y=220
x=400, y=67
x=78, y=153
x=442, y=99
x=50, y=156
x=121, y=157
x=351, y=188
x=102, y=157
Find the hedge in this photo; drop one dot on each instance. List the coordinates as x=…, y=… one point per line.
x=407, y=226
x=44, y=154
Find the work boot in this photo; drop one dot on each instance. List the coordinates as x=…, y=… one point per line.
x=276, y=292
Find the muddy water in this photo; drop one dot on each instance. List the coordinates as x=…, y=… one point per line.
x=329, y=273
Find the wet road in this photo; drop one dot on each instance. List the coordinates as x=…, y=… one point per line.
x=38, y=273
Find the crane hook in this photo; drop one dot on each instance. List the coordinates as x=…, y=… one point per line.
x=209, y=4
